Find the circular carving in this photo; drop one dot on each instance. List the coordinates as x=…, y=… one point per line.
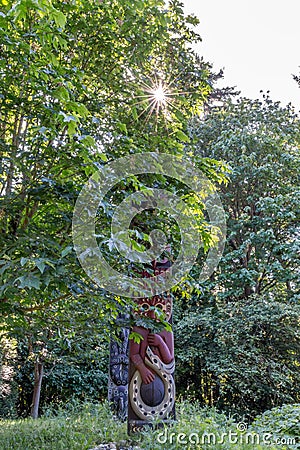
x=164, y=373
x=153, y=393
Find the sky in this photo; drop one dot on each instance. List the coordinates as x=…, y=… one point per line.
x=257, y=42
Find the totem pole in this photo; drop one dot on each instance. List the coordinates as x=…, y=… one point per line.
x=151, y=389
x=118, y=371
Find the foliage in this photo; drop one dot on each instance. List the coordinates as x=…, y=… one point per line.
x=237, y=334
x=72, y=78
x=84, y=426
x=8, y=386
x=260, y=142
x=76, y=368
x=74, y=89
x=241, y=356
x=283, y=421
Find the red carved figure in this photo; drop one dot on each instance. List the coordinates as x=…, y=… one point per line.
x=161, y=343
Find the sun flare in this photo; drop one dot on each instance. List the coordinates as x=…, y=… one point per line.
x=159, y=98
x=159, y=94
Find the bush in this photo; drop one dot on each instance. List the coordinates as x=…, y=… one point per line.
x=283, y=423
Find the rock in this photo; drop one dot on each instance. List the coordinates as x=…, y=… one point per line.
x=109, y=446
x=122, y=445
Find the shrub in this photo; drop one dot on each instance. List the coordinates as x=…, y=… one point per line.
x=283, y=423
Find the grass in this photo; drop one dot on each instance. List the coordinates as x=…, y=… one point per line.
x=84, y=426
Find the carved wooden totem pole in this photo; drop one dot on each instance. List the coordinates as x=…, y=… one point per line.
x=118, y=372
x=151, y=390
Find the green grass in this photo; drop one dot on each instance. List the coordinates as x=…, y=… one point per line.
x=73, y=428
x=87, y=425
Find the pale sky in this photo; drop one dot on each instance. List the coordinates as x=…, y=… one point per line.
x=256, y=41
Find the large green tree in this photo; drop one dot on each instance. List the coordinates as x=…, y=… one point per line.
x=238, y=336
x=74, y=94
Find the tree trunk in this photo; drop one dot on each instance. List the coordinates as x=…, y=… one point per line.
x=38, y=377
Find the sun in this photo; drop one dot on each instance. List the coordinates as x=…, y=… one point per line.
x=159, y=98
x=156, y=98
x=160, y=95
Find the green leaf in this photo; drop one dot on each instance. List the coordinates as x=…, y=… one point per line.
x=53, y=59
x=136, y=246
x=134, y=113
x=78, y=108
x=137, y=338
x=103, y=157
x=23, y=261
x=30, y=281
x=66, y=251
x=59, y=18
x=179, y=115
x=122, y=127
x=89, y=141
x=72, y=127
x=61, y=93
x=40, y=264
x=182, y=136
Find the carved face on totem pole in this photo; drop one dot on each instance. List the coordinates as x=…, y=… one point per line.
x=147, y=307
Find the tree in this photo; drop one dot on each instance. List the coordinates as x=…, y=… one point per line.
x=72, y=75
x=242, y=346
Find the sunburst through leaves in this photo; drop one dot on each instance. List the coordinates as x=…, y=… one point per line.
x=159, y=98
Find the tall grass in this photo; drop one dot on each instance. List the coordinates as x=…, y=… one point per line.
x=84, y=426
